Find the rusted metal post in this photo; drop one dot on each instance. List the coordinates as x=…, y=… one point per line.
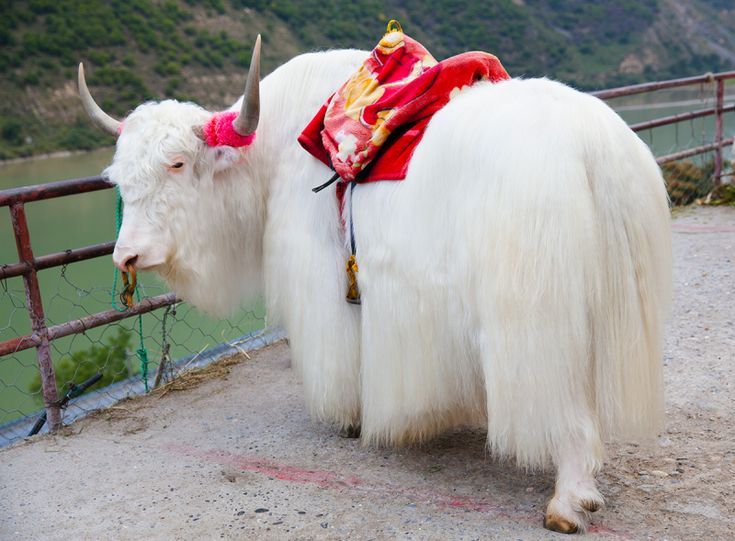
x=718, y=133
x=676, y=156
x=679, y=117
x=660, y=85
x=59, y=258
x=39, y=192
x=81, y=325
x=38, y=319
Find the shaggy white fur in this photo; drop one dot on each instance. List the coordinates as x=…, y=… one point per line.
x=517, y=278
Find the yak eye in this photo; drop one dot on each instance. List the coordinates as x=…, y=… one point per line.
x=177, y=165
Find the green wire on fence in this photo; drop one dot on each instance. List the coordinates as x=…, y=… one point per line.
x=142, y=352
x=118, y=224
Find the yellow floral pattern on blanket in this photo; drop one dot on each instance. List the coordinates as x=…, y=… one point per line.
x=364, y=89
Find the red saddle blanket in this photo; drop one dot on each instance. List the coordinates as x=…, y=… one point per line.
x=369, y=128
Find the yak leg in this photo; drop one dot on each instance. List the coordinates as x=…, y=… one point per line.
x=576, y=494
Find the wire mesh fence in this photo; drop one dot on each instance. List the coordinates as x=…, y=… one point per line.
x=682, y=120
x=176, y=338
x=58, y=310
x=692, y=178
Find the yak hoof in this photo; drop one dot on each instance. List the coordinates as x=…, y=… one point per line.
x=570, y=513
x=350, y=431
x=555, y=523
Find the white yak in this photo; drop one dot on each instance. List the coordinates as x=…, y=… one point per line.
x=517, y=278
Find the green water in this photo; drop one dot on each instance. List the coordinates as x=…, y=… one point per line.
x=83, y=288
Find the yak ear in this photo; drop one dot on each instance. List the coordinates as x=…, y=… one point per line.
x=199, y=132
x=225, y=157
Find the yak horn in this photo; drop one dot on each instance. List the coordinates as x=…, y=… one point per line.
x=247, y=121
x=95, y=112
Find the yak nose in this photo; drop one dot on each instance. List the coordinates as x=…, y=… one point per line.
x=123, y=256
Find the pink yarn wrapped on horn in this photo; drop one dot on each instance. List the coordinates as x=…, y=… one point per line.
x=219, y=131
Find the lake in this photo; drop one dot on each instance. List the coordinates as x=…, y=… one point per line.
x=84, y=288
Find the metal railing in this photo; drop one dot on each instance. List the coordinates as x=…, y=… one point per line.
x=29, y=265
x=718, y=111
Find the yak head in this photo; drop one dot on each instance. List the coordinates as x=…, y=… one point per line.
x=191, y=211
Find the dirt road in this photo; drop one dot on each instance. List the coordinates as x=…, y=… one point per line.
x=236, y=456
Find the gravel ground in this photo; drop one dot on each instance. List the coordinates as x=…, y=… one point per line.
x=234, y=456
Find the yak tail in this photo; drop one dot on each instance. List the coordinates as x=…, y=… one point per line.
x=633, y=294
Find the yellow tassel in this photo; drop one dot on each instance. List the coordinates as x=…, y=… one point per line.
x=353, y=291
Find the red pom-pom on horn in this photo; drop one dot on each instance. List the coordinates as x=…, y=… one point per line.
x=219, y=131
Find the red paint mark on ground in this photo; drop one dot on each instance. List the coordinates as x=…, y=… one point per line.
x=338, y=481
x=269, y=468
x=683, y=228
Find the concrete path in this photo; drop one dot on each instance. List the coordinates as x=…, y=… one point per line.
x=233, y=454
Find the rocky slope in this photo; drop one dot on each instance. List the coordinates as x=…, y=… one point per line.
x=136, y=50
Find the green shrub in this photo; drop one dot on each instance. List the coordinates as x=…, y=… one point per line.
x=81, y=136
x=242, y=58
x=43, y=6
x=12, y=131
x=99, y=58
x=6, y=37
x=31, y=78
x=111, y=358
x=173, y=85
x=166, y=69
x=129, y=88
x=724, y=195
x=686, y=181
x=47, y=64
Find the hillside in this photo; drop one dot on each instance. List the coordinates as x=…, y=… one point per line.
x=136, y=50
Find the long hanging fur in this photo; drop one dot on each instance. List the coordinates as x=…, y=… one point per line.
x=517, y=279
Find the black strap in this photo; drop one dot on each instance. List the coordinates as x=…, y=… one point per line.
x=331, y=181
x=334, y=178
x=353, y=245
